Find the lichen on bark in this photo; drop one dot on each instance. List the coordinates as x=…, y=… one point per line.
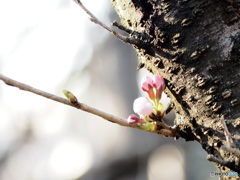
x=195, y=46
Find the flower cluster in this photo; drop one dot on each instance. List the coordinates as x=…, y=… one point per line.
x=145, y=106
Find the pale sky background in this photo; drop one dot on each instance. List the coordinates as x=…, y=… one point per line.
x=52, y=45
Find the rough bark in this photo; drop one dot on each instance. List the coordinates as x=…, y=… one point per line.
x=195, y=46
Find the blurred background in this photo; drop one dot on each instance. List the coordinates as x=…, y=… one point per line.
x=52, y=45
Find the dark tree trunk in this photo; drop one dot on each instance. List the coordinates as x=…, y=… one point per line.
x=195, y=46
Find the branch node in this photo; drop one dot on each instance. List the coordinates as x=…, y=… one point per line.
x=121, y=27
x=167, y=131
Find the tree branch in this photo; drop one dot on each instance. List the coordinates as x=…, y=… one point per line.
x=78, y=105
x=125, y=39
x=168, y=132
x=97, y=21
x=212, y=158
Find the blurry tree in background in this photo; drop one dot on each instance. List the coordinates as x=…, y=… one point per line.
x=59, y=49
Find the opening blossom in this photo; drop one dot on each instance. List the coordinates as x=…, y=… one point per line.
x=144, y=106
x=154, y=87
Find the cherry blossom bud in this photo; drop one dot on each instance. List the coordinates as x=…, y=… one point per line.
x=146, y=83
x=132, y=119
x=143, y=106
x=147, y=86
x=160, y=85
x=159, y=82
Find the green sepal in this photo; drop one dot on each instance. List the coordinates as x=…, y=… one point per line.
x=149, y=126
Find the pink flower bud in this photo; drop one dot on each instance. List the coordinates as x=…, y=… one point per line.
x=146, y=83
x=160, y=85
x=143, y=106
x=158, y=82
x=132, y=119
x=147, y=86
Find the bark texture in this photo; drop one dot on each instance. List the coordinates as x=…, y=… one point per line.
x=195, y=46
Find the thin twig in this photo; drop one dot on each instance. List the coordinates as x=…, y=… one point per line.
x=121, y=27
x=234, y=151
x=212, y=158
x=130, y=40
x=227, y=134
x=97, y=21
x=78, y=105
x=169, y=132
